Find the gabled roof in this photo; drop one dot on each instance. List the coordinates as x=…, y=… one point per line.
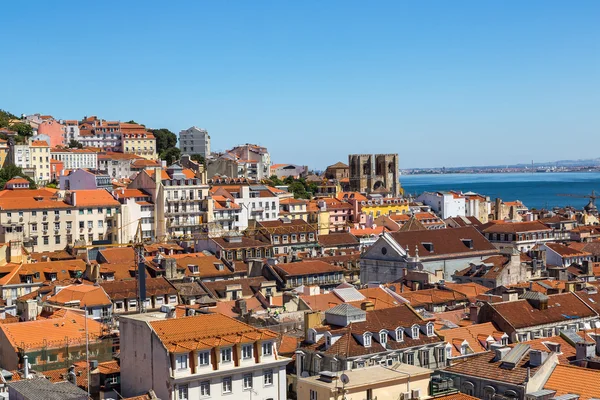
x=568, y=379
x=338, y=239
x=445, y=242
x=307, y=267
x=82, y=295
x=338, y=164
x=51, y=333
x=562, y=308
x=513, y=227
x=206, y=331
x=475, y=335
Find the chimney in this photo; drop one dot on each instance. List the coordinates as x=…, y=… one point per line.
x=26, y=366
x=510, y=295
x=241, y=306
x=473, y=313
x=501, y=352
x=588, y=267
x=570, y=286
x=585, y=350
x=311, y=320
x=537, y=357
x=367, y=306
x=71, y=376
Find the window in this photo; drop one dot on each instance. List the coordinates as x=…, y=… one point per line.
x=100, y=224
x=246, y=351
x=267, y=349
x=247, y=381
x=89, y=211
x=203, y=358
x=399, y=334
x=81, y=224
x=90, y=224
x=205, y=388
x=181, y=362
x=429, y=329
x=425, y=358
x=410, y=358
x=440, y=354
x=227, y=385
x=367, y=339
x=182, y=392
x=415, y=332
x=268, y=377
x=383, y=338
x=46, y=240
x=57, y=239
x=226, y=355
x=313, y=395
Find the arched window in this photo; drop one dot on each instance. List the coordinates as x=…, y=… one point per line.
x=367, y=339
x=468, y=388
x=383, y=337
x=399, y=334
x=415, y=331
x=488, y=392
x=430, y=329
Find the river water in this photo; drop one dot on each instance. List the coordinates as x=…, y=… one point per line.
x=535, y=190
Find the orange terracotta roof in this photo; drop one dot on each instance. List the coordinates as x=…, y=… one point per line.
x=566, y=379
x=207, y=266
x=51, y=333
x=38, y=143
x=82, y=295
x=476, y=337
x=206, y=331
x=118, y=255
x=88, y=198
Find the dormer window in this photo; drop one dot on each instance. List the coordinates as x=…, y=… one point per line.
x=367, y=339
x=383, y=337
x=181, y=362
x=415, y=332
x=430, y=329
x=399, y=334
x=267, y=349
x=226, y=355
x=328, y=341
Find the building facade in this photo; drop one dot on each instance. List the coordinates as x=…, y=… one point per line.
x=194, y=140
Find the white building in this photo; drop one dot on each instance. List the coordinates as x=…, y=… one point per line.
x=444, y=204
x=255, y=159
x=196, y=357
x=256, y=202
x=195, y=141
x=76, y=158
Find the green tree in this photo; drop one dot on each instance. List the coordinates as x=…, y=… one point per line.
x=22, y=129
x=5, y=116
x=10, y=171
x=165, y=141
x=274, y=181
x=198, y=158
x=74, y=144
x=171, y=155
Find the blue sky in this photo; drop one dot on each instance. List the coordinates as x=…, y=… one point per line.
x=440, y=83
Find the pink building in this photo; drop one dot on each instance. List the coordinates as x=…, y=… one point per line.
x=55, y=130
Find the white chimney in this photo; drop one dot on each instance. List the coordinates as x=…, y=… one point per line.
x=26, y=366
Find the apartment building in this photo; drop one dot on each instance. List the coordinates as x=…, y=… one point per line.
x=83, y=179
x=40, y=160
x=137, y=140
x=194, y=140
x=95, y=132
x=287, y=236
x=4, y=152
x=258, y=160
x=180, y=198
x=75, y=158
x=520, y=235
x=48, y=220
x=445, y=204
x=310, y=272
x=353, y=338
x=117, y=165
x=256, y=202
x=201, y=356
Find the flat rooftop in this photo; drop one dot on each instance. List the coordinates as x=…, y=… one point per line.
x=371, y=375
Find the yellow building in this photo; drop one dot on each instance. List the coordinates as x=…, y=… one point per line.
x=141, y=143
x=40, y=160
x=3, y=152
x=328, y=188
x=377, y=382
x=318, y=217
x=376, y=207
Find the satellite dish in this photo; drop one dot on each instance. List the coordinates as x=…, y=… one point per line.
x=344, y=378
x=304, y=374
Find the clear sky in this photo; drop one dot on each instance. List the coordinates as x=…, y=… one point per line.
x=442, y=83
